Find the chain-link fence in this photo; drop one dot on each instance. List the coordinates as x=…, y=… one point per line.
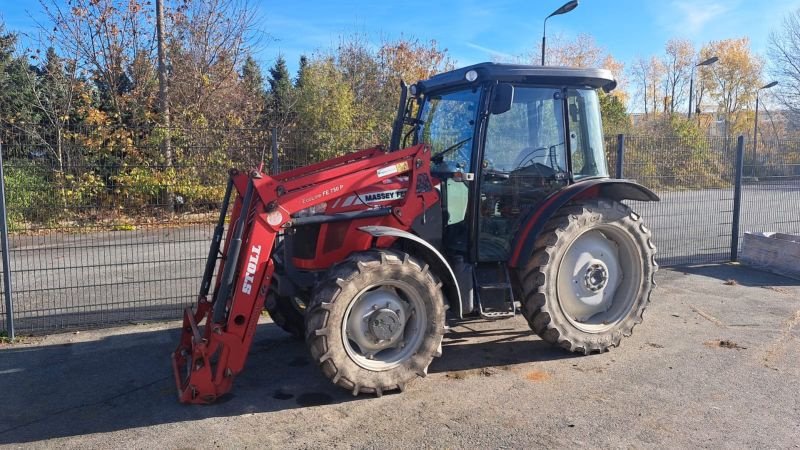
x=694, y=179
x=104, y=230
x=771, y=187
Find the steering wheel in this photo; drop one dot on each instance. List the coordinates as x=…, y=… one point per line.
x=527, y=155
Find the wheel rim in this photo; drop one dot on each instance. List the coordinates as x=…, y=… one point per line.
x=384, y=325
x=598, y=279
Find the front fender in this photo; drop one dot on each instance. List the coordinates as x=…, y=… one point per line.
x=532, y=225
x=432, y=257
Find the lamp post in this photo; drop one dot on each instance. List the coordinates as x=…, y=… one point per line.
x=755, y=126
x=565, y=8
x=707, y=62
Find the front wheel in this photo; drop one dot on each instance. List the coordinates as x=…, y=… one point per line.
x=376, y=322
x=590, y=278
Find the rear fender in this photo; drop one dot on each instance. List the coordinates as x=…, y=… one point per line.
x=532, y=225
x=430, y=255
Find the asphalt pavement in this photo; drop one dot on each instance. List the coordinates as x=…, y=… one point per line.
x=716, y=364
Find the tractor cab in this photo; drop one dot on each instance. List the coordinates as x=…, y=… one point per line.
x=503, y=138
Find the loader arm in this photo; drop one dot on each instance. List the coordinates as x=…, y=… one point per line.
x=218, y=332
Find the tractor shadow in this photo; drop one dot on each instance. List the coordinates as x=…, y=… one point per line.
x=479, y=343
x=124, y=381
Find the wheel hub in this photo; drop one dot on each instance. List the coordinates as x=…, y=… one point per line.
x=377, y=321
x=385, y=324
x=596, y=276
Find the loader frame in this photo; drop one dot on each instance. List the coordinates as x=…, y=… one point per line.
x=218, y=331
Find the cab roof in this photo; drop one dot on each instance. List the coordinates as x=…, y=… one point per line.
x=519, y=73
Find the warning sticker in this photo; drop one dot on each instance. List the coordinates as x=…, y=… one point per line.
x=393, y=169
x=386, y=171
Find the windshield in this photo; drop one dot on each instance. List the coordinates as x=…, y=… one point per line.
x=448, y=123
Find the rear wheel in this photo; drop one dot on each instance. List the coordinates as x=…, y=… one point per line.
x=376, y=322
x=590, y=278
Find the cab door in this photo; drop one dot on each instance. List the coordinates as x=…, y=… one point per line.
x=448, y=125
x=524, y=160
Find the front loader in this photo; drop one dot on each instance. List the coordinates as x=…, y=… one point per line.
x=493, y=198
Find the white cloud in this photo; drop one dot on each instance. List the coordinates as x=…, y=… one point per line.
x=495, y=54
x=693, y=16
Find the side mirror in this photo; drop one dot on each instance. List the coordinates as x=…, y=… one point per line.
x=502, y=99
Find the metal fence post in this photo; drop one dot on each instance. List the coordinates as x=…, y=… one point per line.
x=620, y=155
x=276, y=166
x=737, y=199
x=6, y=257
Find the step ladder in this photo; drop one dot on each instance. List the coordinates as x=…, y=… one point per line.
x=495, y=295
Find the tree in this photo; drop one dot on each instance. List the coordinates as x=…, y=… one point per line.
x=733, y=80
x=647, y=75
x=409, y=60
x=254, y=102
x=55, y=89
x=677, y=62
x=16, y=112
x=325, y=110
x=280, y=97
x=583, y=51
x=784, y=54
x=207, y=43
x=301, y=72
x=105, y=36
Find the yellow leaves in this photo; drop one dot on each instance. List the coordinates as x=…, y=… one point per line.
x=412, y=59
x=584, y=52
x=732, y=81
x=95, y=117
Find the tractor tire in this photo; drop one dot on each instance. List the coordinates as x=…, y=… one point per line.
x=376, y=321
x=287, y=313
x=590, y=277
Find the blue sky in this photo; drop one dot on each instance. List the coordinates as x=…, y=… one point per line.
x=474, y=31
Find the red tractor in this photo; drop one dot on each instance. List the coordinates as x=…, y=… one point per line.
x=494, y=197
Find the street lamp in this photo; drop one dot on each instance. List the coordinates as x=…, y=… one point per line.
x=565, y=8
x=755, y=126
x=707, y=62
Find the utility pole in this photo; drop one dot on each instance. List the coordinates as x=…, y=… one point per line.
x=163, y=98
x=707, y=62
x=755, y=122
x=565, y=8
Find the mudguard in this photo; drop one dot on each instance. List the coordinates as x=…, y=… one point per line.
x=594, y=188
x=431, y=256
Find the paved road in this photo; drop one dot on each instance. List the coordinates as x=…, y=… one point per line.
x=669, y=385
x=68, y=281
